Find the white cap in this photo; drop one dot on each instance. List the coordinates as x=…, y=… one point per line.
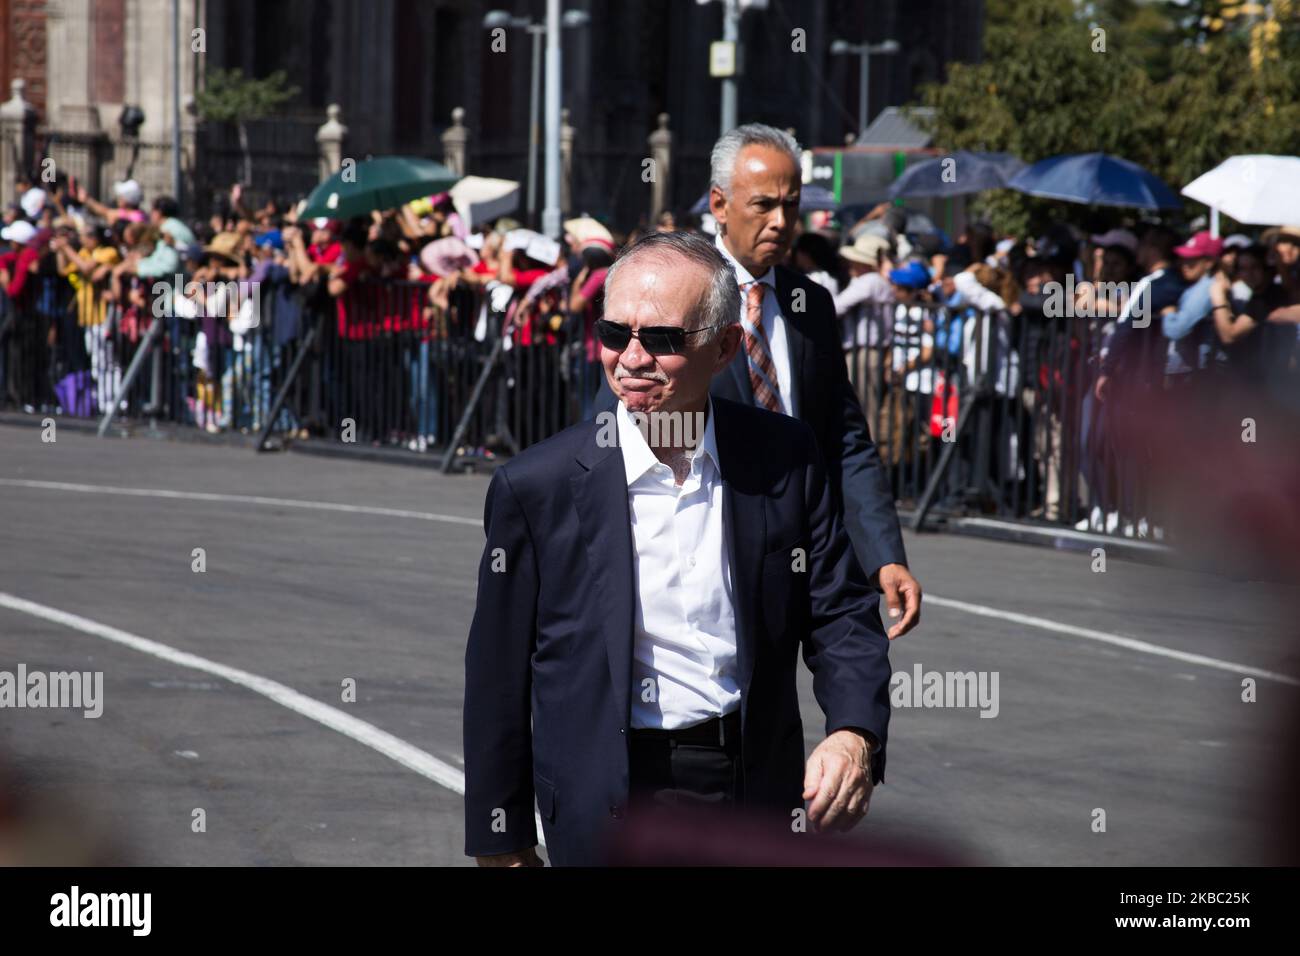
x=33, y=202
x=543, y=249
x=128, y=190
x=20, y=231
x=474, y=240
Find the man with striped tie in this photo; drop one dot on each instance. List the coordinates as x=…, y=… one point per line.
x=792, y=360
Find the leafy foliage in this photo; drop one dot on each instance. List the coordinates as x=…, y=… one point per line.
x=230, y=97
x=1178, y=89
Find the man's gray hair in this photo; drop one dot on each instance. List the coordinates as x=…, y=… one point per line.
x=722, y=164
x=720, y=304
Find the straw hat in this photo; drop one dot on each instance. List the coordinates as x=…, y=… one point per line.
x=866, y=249
x=226, y=245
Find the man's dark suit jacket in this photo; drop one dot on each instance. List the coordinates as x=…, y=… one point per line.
x=548, y=668
x=824, y=398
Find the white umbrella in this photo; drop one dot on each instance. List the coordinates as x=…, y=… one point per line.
x=1258, y=190
x=479, y=199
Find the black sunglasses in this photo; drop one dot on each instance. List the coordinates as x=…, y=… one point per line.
x=655, y=339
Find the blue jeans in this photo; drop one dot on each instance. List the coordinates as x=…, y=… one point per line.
x=253, y=369
x=422, y=386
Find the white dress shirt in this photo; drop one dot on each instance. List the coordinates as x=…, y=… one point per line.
x=684, y=634
x=773, y=320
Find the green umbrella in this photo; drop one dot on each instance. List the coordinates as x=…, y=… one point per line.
x=382, y=183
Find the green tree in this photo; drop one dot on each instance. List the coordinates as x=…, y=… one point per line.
x=1165, y=85
x=231, y=97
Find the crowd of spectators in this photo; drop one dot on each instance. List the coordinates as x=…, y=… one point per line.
x=1072, y=328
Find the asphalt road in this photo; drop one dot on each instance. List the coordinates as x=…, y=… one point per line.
x=373, y=580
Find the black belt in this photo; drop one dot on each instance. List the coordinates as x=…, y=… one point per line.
x=718, y=732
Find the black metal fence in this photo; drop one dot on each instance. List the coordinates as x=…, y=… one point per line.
x=972, y=412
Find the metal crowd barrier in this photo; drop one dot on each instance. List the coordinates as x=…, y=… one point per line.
x=987, y=413
x=376, y=367
x=972, y=412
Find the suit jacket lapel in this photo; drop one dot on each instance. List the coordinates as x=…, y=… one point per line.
x=794, y=337
x=743, y=492
x=600, y=498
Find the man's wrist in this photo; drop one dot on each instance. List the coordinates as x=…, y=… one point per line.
x=873, y=743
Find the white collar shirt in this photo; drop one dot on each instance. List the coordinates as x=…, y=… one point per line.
x=684, y=668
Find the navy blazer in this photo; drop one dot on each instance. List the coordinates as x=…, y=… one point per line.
x=823, y=396
x=548, y=667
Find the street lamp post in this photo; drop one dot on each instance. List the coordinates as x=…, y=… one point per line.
x=863, y=50
x=500, y=18
x=730, y=34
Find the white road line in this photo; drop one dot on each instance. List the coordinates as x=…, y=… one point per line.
x=239, y=499
x=394, y=748
x=1116, y=640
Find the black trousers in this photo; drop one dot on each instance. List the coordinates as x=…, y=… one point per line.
x=699, y=767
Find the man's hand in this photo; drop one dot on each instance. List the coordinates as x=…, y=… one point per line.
x=1099, y=390
x=838, y=781
x=902, y=596
x=527, y=857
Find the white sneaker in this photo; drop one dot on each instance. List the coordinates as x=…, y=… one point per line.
x=1157, y=532
x=1143, y=527
x=1112, y=522
x=1128, y=529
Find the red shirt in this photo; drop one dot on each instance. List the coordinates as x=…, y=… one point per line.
x=327, y=255
x=358, y=315
x=524, y=332
x=18, y=270
x=524, y=278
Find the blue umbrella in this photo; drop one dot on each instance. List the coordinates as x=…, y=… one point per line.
x=1095, y=178
x=811, y=199
x=957, y=174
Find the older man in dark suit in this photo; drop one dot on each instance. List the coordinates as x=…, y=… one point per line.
x=649, y=580
x=791, y=361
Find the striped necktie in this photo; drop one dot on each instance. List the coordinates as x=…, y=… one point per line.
x=762, y=370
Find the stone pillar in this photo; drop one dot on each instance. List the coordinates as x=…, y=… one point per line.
x=661, y=151
x=68, y=30
x=330, y=138
x=455, y=142
x=567, y=135
x=17, y=139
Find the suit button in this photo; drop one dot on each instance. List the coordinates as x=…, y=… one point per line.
x=616, y=812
